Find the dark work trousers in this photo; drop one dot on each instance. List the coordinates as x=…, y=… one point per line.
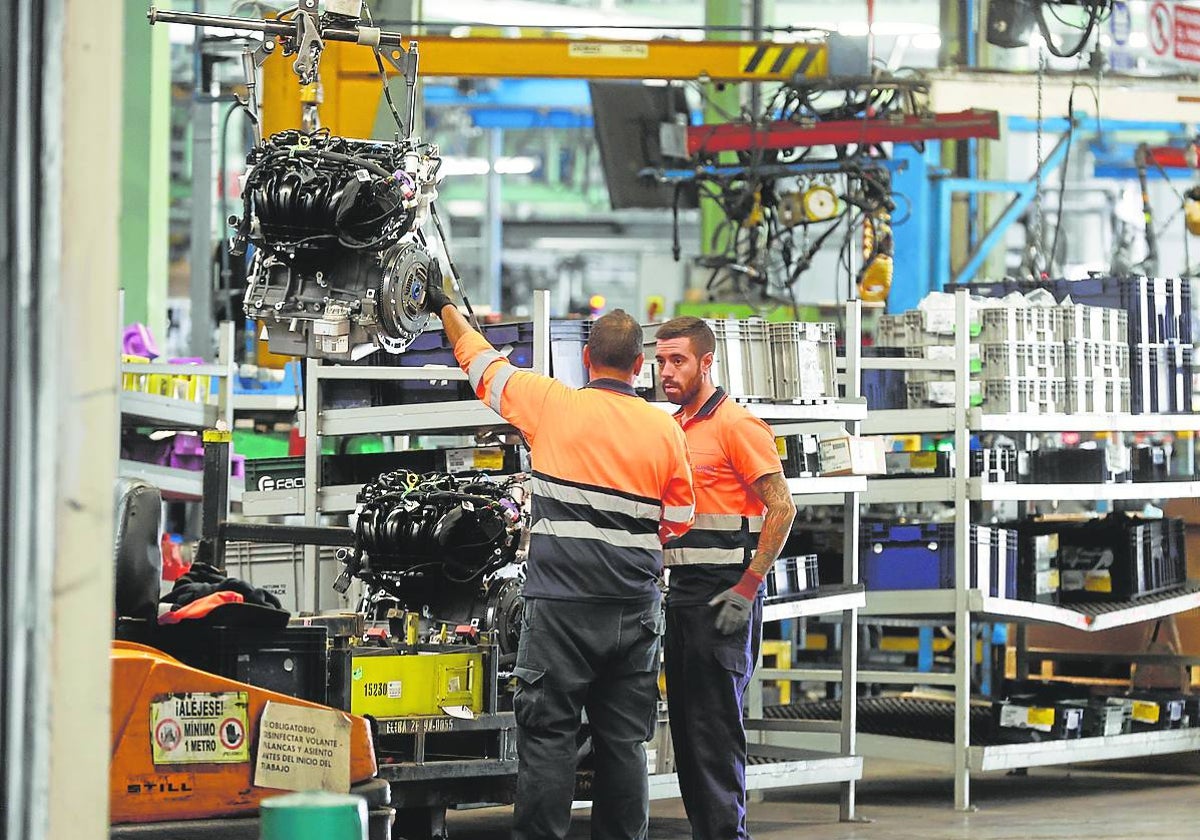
x=602, y=657
x=707, y=676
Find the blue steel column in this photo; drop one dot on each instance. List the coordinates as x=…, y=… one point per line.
x=915, y=238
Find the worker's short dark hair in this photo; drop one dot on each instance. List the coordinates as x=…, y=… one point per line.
x=685, y=326
x=615, y=341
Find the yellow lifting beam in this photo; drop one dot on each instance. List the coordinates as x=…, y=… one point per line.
x=350, y=78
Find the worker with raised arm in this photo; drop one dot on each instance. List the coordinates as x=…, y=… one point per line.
x=744, y=513
x=611, y=484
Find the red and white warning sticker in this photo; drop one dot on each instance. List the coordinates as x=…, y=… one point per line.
x=195, y=728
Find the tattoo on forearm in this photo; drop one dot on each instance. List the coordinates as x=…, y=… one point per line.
x=777, y=524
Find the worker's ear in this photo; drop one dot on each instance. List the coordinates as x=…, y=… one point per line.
x=637, y=365
x=706, y=365
x=587, y=360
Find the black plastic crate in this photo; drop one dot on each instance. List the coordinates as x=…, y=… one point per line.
x=1159, y=308
x=1161, y=378
x=791, y=577
x=275, y=473
x=1152, y=711
x=1071, y=466
x=1151, y=462
x=292, y=661
x=799, y=455
x=996, y=465
x=1032, y=718
x=1120, y=558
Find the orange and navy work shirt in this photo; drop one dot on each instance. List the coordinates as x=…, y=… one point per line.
x=730, y=449
x=611, y=478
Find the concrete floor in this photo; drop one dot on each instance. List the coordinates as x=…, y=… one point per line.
x=1157, y=799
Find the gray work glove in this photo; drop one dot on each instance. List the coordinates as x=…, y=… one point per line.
x=735, y=603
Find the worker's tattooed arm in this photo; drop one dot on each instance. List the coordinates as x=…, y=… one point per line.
x=773, y=490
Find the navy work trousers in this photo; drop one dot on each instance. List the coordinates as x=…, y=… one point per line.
x=707, y=676
x=602, y=657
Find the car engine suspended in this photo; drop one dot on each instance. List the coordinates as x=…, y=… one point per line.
x=450, y=548
x=339, y=265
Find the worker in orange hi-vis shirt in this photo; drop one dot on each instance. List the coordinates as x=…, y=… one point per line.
x=611, y=484
x=744, y=513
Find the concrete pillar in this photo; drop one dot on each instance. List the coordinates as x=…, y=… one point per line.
x=145, y=169
x=80, y=429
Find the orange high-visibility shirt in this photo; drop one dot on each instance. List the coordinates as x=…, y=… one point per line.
x=730, y=449
x=611, y=478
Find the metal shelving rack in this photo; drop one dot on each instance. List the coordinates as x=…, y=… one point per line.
x=784, y=767
x=166, y=413
x=965, y=604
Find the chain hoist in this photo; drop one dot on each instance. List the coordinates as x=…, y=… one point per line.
x=1037, y=249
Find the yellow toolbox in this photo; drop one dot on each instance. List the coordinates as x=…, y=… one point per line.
x=385, y=684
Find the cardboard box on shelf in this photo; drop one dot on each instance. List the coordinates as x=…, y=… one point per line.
x=850, y=455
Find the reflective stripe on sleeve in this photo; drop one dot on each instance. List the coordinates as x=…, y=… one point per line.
x=496, y=389
x=588, y=531
x=479, y=365
x=678, y=513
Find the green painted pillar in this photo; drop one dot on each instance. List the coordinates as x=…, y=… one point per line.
x=145, y=170
x=314, y=816
x=720, y=105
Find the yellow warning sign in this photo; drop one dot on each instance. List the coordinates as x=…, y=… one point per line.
x=777, y=60
x=199, y=728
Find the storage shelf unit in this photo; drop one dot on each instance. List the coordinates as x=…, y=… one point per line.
x=1089, y=617
x=824, y=601
x=963, y=606
x=780, y=769
x=162, y=412
x=177, y=484
x=982, y=759
x=169, y=414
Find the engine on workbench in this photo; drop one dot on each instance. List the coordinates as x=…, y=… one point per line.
x=339, y=265
x=446, y=551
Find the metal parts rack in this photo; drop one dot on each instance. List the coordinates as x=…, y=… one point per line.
x=966, y=604
x=162, y=412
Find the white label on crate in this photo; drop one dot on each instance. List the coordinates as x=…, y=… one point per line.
x=303, y=749
x=812, y=373
x=198, y=728
x=453, y=685
x=394, y=689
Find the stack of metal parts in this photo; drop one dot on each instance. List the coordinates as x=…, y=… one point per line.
x=1158, y=359
x=923, y=334
x=790, y=362
x=1028, y=359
